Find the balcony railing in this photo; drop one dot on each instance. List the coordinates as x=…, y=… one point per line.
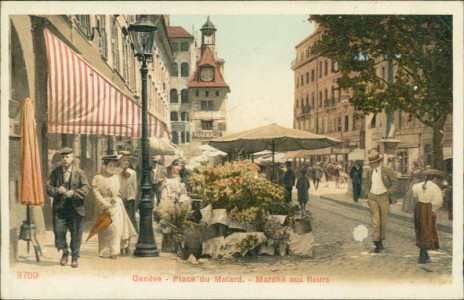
x=215, y=115
x=180, y=126
x=206, y=134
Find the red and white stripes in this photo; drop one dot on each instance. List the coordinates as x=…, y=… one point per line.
x=83, y=101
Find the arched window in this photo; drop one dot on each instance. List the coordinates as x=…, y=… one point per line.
x=175, y=137
x=184, y=96
x=184, y=70
x=182, y=137
x=173, y=97
x=174, y=71
x=174, y=116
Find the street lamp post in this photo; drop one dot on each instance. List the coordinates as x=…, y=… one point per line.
x=143, y=38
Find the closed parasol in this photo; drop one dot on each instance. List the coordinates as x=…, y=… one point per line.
x=103, y=221
x=30, y=184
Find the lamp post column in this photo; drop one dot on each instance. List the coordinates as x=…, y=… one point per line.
x=146, y=245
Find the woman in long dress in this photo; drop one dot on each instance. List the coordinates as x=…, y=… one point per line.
x=106, y=191
x=430, y=199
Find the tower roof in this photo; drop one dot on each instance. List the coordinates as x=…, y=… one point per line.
x=207, y=59
x=179, y=31
x=208, y=25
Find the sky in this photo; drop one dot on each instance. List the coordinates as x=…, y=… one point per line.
x=258, y=51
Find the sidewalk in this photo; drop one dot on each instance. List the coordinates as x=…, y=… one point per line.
x=340, y=196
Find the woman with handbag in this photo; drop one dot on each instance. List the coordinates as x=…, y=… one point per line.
x=105, y=186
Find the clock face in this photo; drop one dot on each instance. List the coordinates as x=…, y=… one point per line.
x=207, y=74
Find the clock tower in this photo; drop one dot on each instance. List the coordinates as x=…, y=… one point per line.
x=207, y=93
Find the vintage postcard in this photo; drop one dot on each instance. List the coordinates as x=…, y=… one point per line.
x=232, y=150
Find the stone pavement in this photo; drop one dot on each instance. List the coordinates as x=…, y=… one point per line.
x=341, y=196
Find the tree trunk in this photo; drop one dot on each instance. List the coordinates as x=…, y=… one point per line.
x=437, y=148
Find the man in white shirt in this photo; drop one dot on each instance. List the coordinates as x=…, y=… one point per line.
x=429, y=200
x=381, y=188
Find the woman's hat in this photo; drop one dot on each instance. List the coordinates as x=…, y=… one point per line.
x=125, y=153
x=374, y=157
x=111, y=157
x=435, y=172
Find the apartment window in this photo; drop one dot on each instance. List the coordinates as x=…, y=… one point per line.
x=175, y=137
x=182, y=137
x=333, y=66
x=320, y=99
x=174, y=116
x=339, y=123
x=374, y=121
x=83, y=23
x=115, y=44
x=400, y=119
x=312, y=75
x=307, y=77
x=175, y=47
x=312, y=100
x=307, y=100
x=184, y=46
x=347, y=121
x=173, y=96
x=187, y=137
x=174, y=70
x=301, y=80
x=197, y=93
x=326, y=94
x=326, y=68
x=320, y=69
x=184, y=96
x=333, y=95
x=184, y=116
x=206, y=93
x=207, y=105
x=102, y=41
x=217, y=93
x=184, y=70
x=207, y=125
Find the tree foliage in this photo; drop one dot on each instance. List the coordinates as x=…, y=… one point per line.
x=419, y=49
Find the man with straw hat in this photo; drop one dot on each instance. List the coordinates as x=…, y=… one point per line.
x=429, y=200
x=68, y=185
x=381, y=187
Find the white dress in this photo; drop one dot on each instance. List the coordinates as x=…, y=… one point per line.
x=116, y=236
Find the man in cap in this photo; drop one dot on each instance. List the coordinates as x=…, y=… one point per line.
x=157, y=177
x=68, y=185
x=381, y=188
x=185, y=175
x=128, y=187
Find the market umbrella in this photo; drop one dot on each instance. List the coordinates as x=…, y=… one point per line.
x=30, y=188
x=103, y=221
x=272, y=137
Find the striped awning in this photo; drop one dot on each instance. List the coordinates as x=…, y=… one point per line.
x=83, y=101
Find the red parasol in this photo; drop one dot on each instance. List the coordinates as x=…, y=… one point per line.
x=30, y=184
x=103, y=221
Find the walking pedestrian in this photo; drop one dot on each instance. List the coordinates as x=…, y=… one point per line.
x=185, y=175
x=158, y=178
x=318, y=172
x=128, y=189
x=68, y=185
x=114, y=239
x=429, y=200
x=302, y=186
x=416, y=176
x=381, y=187
x=356, y=173
x=289, y=182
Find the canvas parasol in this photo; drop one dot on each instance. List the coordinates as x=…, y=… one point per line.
x=30, y=184
x=103, y=221
x=30, y=188
x=272, y=137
